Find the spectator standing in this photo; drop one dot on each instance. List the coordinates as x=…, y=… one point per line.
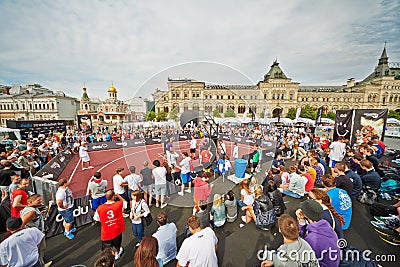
x=160, y=183
x=32, y=217
x=235, y=151
x=193, y=145
x=134, y=180
x=5, y=178
x=166, y=237
x=43, y=152
x=65, y=206
x=97, y=187
x=190, y=254
x=119, y=188
x=185, y=174
x=19, y=198
x=112, y=222
x=139, y=210
x=337, y=152
x=21, y=247
x=147, y=183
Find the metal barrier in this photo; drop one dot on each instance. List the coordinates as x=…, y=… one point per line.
x=46, y=188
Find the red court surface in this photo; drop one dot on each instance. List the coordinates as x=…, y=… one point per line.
x=107, y=161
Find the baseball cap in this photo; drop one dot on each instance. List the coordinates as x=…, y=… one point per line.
x=311, y=209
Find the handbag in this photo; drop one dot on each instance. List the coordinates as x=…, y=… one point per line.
x=146, y=219
x=367, y=196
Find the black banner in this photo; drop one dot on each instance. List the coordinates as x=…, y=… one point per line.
x=37, y=127
x=319, y=116
x=343, y=124
x=83, y=214
x=369, y=120
x=56, y=165
x=85, y=123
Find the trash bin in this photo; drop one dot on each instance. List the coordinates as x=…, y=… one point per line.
x=240, y=168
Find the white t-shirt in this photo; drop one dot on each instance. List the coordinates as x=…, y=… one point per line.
x=248, y=199
x=235, y=153
x=185, y=165
x=117, y=181
x=199, y=249
x=21, y=248
x=338, y=151
x=133, y=180
x=83, y=152
x=193, y=143
x=166, y=237
x=65, y=194
x=160, y=175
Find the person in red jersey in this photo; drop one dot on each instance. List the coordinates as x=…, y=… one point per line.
x=112, y=222
x=19, y=198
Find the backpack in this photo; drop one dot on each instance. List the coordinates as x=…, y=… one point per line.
x=367, y=196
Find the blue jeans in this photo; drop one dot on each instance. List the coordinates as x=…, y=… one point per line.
x=138, y=231
x=291, y=194
x=43, y=161
x=240, y=203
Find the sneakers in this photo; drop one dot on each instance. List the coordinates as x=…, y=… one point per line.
x=119, y=254
x=84, y=169
x=379, y=225
x=90, y=167
x=244, y=218
x=48, y=264
x=69, y=235
x=241, y=225
x=392, y=240
x=138, y=244
x=163, y=205
x=157, y=205
x=383, y=219
x=387, y=232
x=188, y=191
x=73, y=230
x=181, y=193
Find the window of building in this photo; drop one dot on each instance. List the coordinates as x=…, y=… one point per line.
x=16, y=106
x=241, y=109
x=273, y=96
x=52, y=105
x=290, y=96
x=265, y=96
x=36, y=107
x=220, y=108
x=282, y=96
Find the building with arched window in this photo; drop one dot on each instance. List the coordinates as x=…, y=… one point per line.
x=381, y=89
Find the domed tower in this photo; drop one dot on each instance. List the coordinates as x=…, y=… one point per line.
x=112, y=93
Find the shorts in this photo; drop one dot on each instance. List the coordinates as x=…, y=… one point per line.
x=96, y=202
x=148, y=188
x=86, y=159
x=192, y=150
x=185, y=178
x=115, y=242
x=68, y=215
x=160, y=189
x=332, y=163
x=255, y=164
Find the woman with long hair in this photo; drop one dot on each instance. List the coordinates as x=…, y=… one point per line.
x=218, y=211
x=145, y=255
x=329, y=213
x=139, y=209
x=246, y=201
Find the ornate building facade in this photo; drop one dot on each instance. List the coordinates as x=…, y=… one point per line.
x=381, y=89
x=35, y=102
x=108, y=112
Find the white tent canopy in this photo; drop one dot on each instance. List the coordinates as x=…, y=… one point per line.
x=327, y=120
x=393, y=121
x=4, y=131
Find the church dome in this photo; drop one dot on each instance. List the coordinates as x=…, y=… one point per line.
x=112, y=89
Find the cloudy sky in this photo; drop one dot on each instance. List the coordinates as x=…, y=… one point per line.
x=138, y=44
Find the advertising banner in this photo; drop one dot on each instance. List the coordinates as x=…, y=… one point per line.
x=343, y=124
x=37, y=127
x=319, y=116
x=369, y=122
x=85, y=123
x=56, y=165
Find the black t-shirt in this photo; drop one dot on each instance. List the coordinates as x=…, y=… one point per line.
x=5, y=177
x=344, y=182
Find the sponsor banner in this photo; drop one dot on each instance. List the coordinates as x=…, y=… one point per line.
x=37, y=127
x=343, y=124
x=369, y=121
x=319, y=116
x=184, y=137
x=56, y=165
x=83, y=214
x=85, y=123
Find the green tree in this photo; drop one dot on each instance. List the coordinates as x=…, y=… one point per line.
x=161, y=116
x=394, y=114
x=173, y=114
x=230, y=113
x=150, y=116
x=330, y=115
x=216, y=113
x=291, y=113
x=308, y=112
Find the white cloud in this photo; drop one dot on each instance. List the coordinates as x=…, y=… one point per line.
x=62, y=44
